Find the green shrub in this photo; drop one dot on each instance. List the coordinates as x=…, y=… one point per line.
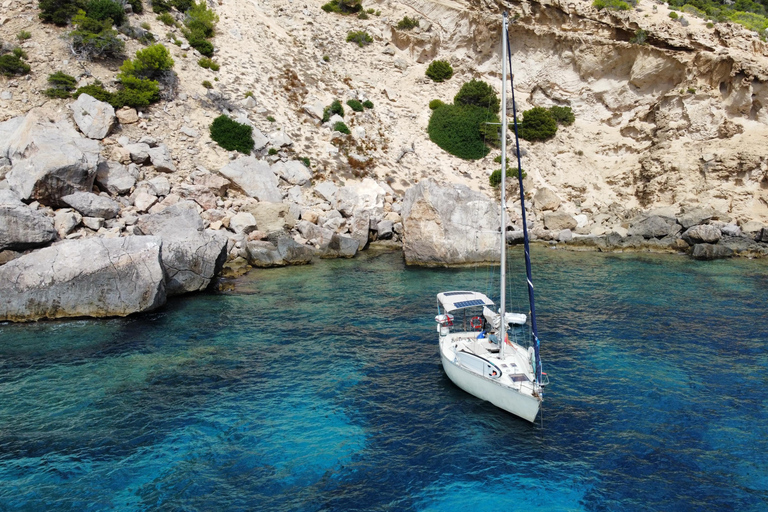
x=136, y=93
x=18, y=52
x=231, y=135
x=495, y=178
x=103, y=10
x=59, y=12
x=370, y=11
x=363, y=15
x=94, y=38
x=200, y=24
x=333, y=108
x=694, y=11
x=23, y=35
x=182, y=5
x=538, y=124
x=207, y=63
x=326, y=58
x=61, y=85
x=368, y=104
x=166, y=19
x=611, y=5
x=207, y=84
x=271, y=119
x=136, y=6
x=160, y=6
x=563, y=115
x=151, y=62
x=272, y=151
x=341, y=127
x=202, y=20
x=305, y=161
x=343, y=6
x=11, y=64
x=749, y=20
x=710, y=25
x=439, y=70
x=436, y=104
x=639, y=37
x=248, y=94
x=407, y=23
x=673, y=15
x=456, y=129
x=355, y=105
x=478, y=93
x=361, y=37
x=97, y=91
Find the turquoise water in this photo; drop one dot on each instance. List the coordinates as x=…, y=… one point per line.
x=320, y=388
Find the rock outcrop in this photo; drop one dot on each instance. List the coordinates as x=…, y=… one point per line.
x=22, y=227
x=96, y=277
x=49, y=159
x=449, y=225
x=191, y=255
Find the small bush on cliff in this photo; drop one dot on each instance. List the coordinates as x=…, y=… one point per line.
x=152, y=62
x=59, y=12
x=11, y=64
x=361, y=37
x=368, y=104
x=341, y=127
x=61, y=85
x=94, y=38
x=611, y=5
x=231, y=135
x=478, y=93
x=343, y=6
x=495, y=178
x=333, y=108
x=200, y=25
x=456, y=129
x=538, y=124
x=434, y=104
x=355, y=105
x=407, y=23
x=439, y=70
x=103, y=10
x=563, y=115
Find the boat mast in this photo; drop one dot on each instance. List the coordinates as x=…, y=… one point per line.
x=534, y=330
x=503, y=273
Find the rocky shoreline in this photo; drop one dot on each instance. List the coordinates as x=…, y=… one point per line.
x=97, y=226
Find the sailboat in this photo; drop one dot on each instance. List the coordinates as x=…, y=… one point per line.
x=488, y=352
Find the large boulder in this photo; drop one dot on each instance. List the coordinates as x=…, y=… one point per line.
x=191, y=256
x=114, y=178
x=445, y=224
x=558, y=221
x=49, y=158
x=278, y=252
x=94, y=118
x=702, y=233
x=546, y=199
x=271, y=217
x=254, y=177
x=340, y=247
x=360, y=196
x=710, y=252
x=696, y=216
x=294, y=172
x=92, y=205
x=95, y=277
x=653, y=226
x=21, y=227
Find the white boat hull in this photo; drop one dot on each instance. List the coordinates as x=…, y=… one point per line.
x=518, y=402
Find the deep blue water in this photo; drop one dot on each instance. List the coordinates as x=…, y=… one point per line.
x=320, y=388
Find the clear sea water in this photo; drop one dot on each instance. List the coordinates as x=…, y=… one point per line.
x=320, y=388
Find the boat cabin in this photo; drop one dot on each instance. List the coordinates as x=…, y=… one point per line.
x=467, y=311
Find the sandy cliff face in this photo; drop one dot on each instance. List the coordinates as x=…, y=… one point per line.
x=678, y=121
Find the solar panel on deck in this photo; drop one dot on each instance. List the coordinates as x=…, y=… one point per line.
x=469, y=303
x=449, y=294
